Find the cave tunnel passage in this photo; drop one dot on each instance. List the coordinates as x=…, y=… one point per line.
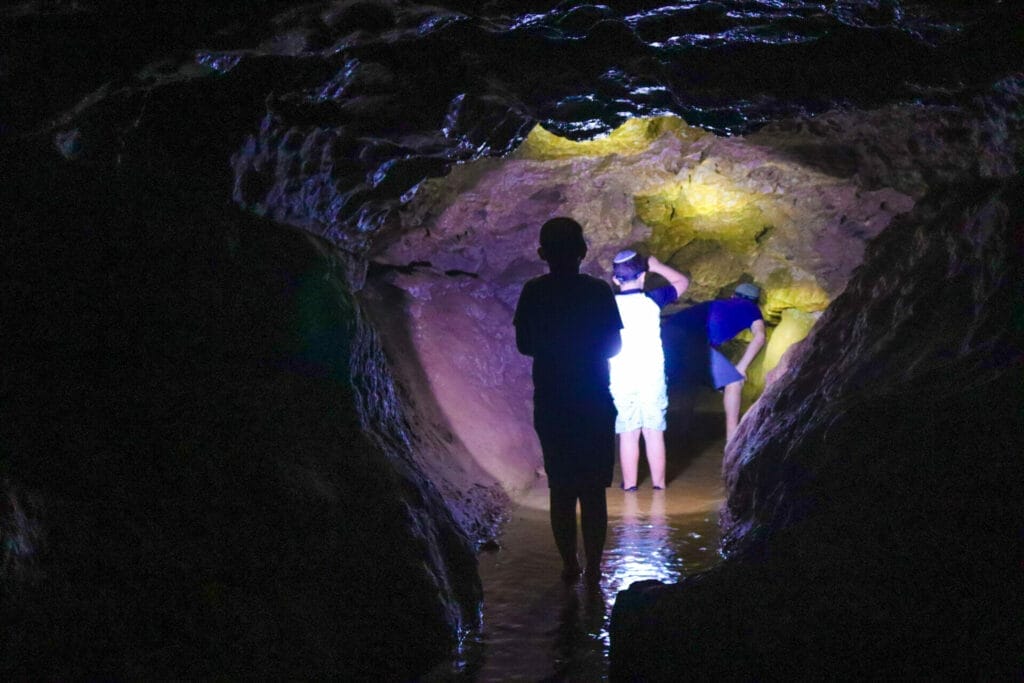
x=535, y=626
x=720, y=210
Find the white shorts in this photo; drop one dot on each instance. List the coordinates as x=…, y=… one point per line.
x=641, y=410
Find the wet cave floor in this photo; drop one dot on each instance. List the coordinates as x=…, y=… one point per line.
x=537, y=628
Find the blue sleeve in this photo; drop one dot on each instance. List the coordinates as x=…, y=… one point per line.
x=663, y=296
x=754, y=313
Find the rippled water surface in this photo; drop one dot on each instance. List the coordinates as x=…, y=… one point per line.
x=537, y=628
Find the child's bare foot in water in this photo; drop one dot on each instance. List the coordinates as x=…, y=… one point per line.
x=571, y=572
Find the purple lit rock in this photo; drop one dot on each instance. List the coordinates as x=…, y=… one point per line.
x=210, y=469
x=872, y=522
x=448, y=274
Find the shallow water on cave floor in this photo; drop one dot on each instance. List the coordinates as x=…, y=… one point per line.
x=535, y=627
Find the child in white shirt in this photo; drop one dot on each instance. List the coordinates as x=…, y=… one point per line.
x=638, y=371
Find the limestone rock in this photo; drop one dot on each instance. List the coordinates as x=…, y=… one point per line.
x=207, y=471
x=871, y=527
x=327, y=116
x=726, y=210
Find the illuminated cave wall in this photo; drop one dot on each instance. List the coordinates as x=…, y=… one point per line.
x=720, y=209
x=871, y=521
x=872, y=524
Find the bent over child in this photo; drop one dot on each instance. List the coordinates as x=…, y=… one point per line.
x=638, y=371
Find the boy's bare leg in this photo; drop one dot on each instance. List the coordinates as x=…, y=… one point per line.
x=563, y=527
x=594, y=518
x=629, y=457
x=731, y=398
x=654, y=444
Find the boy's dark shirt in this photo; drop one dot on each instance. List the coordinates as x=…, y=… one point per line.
x=570, y=325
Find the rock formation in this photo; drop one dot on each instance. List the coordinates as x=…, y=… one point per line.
x=206, y=470
x=232, y=449
x=720, y=209
x=872, y=515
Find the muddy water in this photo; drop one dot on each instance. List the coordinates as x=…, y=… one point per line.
x=535, y=627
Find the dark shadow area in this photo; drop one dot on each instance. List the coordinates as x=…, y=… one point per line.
x=580, y=621
x=695, y=422
x=837, y=161
x=695, y=415
x=190, y=481
x=58, y=51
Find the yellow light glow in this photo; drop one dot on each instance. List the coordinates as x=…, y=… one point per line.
x=632, y=137
x=701, y=199
x=785, y=290
x=793, y=326
x=710, y=222
x=680, y=212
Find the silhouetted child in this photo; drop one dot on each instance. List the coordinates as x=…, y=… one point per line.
x=569, y=324
x=638, y=371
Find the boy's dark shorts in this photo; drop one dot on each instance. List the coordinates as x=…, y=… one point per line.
x=578, y=446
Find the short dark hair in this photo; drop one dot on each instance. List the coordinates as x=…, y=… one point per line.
x=628, y=265
x=562, y=238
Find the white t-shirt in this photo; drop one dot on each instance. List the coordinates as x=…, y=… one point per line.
x=640, y=365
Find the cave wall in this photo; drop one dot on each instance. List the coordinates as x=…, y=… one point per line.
x=204, y=466
x=333, y=114
x=448, y=272
x=872, y=521
x=873, y=516
x=145, y=324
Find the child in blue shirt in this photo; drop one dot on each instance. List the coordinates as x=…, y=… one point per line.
x=638, y=371
x=703, y=328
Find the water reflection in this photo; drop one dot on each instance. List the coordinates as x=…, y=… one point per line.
x=640, y=546
x=581, y=641
x=537, y=628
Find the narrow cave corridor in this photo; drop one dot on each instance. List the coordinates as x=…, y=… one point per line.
x=262, y=416
x=535, y=626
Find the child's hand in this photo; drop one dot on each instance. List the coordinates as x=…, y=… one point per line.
x=652, y=262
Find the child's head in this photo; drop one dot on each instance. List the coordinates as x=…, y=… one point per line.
x=561, y=243
x=748, y=291
x=628, y=266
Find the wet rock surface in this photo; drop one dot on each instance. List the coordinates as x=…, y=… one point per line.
x=467, y=242
x=205, y=469
x=333, y=110
x=871, y=521
x=720, y=209
x=192, y=398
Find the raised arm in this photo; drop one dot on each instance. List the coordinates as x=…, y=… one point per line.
x=674, y=277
